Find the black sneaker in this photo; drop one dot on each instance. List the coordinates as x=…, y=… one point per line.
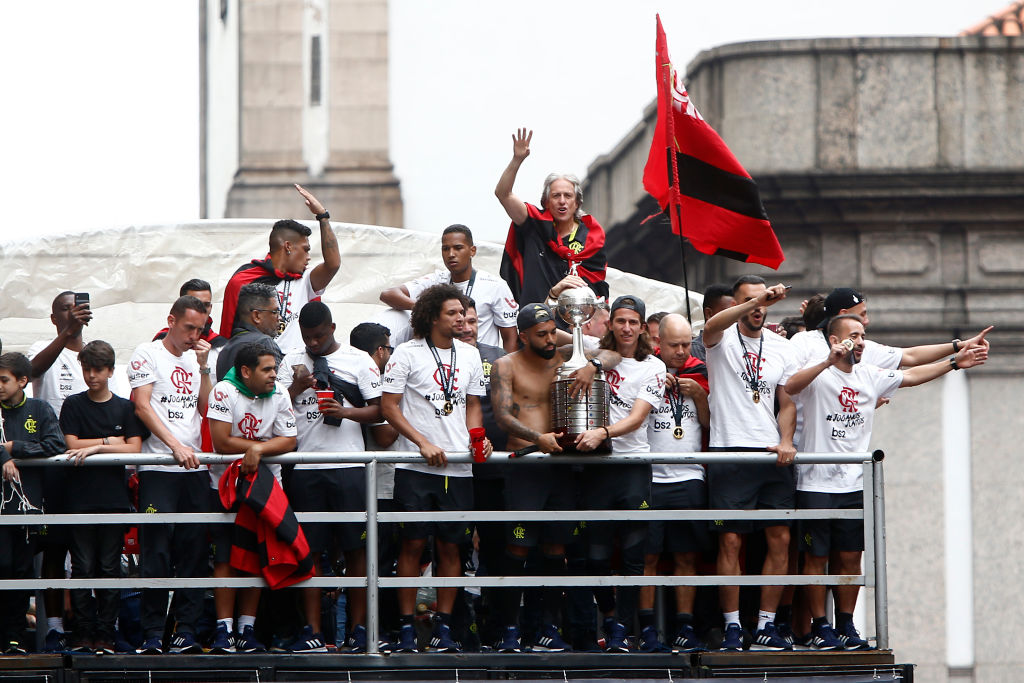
x=768, y=638
x=185, y=644
x=686, y=640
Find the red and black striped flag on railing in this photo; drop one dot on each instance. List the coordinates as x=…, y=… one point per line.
x=712, y=201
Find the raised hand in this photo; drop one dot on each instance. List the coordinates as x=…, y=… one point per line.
x=312, y=202
x=521, y=144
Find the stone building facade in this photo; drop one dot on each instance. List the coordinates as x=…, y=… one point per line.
x=896, y=166
x=295, y=91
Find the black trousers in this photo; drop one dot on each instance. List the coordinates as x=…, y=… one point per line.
x=96, y=554
x=173, y=549
x=16, y=551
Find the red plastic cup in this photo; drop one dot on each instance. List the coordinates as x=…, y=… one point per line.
x=323, y=395
x=476, y=438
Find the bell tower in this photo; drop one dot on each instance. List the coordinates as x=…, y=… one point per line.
x=296, y=91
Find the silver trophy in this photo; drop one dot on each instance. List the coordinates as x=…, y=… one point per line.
x=574, y=415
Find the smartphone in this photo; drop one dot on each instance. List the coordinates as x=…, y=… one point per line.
x=81, y=298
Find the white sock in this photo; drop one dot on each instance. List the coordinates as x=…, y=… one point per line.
x=763, y=618
x=55, y=624
x=246, y=620
x=731, y=618
x=228, y=622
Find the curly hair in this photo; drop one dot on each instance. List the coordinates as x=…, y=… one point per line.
x=428, y=307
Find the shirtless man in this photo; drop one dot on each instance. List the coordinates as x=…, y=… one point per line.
x=520, y=394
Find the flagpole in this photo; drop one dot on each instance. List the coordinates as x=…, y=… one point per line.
x=673, y=165
x=682, y=255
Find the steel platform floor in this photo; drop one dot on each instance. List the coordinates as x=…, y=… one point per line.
x=822, y=667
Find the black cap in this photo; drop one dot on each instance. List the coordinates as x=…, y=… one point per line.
x=841, y=298
x=533, y=314
x=630, y=303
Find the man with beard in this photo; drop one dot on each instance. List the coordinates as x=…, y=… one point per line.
x=839, y=395
x=746, y=366
x=635, y=386
x=170, y=382
x=432, y=390
x=676, y=425
x=521, y=394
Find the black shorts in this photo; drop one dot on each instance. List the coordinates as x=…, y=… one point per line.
x=220, y=534
x=330, y=490
x=422, y=492
x=539, y=487
x=678, y=536
x=616, y=487
x=819, y=536
x=744, y=486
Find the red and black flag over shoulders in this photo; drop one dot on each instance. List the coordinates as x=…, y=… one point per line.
x=711, y=200
x=535, y=258
x=261, y=271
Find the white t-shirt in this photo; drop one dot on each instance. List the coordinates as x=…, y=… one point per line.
x=349, y=364
x=292, y=295
x=628, y=382
x=255, y=419
x=812, y=348
x=839, y=409
x=175, y=398
x=62, y=379
x=495, y=306
x=413, y=372
x=661, y=424
x=736, y=421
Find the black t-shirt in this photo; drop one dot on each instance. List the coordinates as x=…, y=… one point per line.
x=97, y=489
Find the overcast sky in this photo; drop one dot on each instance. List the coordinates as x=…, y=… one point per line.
x=100, y=116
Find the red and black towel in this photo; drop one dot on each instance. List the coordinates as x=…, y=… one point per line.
x=267, y=539
x=254, y=271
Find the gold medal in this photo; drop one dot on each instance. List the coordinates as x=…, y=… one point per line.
x=448, y=408
x=757, y=396
x=678, y=432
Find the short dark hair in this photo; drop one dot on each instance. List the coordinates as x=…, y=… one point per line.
x=249, y=355
x=833, y=322
x=187, y=303
x=460, y=229
x=791, y=325
x=469, y=302
x=97, y=355
x=656, y=317
x=314, y=314
x=814, y=311
x=428, y=307
x=253, y=296
x=53, y=305
x=283, y=230
x=747, y=280
x=369, y=336
x=195, y=285
x=714, y=294
x=17, y=363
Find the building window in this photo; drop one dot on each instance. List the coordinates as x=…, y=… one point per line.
x=315, y=81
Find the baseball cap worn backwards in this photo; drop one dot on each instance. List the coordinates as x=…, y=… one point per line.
x=841, y=298
x=533, y=314
x=630, y=303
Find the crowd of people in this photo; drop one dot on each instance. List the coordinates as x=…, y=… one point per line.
x=480, y=351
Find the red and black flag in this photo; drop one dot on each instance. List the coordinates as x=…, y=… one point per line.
x=712, y=201
x=536, y=258
x=254, y=271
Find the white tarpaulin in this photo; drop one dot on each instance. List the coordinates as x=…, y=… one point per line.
x=133, y=274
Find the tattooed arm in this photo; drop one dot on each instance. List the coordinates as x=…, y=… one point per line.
x=506, y=410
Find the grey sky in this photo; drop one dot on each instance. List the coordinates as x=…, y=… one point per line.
x=100, y=126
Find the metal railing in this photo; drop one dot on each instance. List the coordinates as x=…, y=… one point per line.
x=873, y=514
